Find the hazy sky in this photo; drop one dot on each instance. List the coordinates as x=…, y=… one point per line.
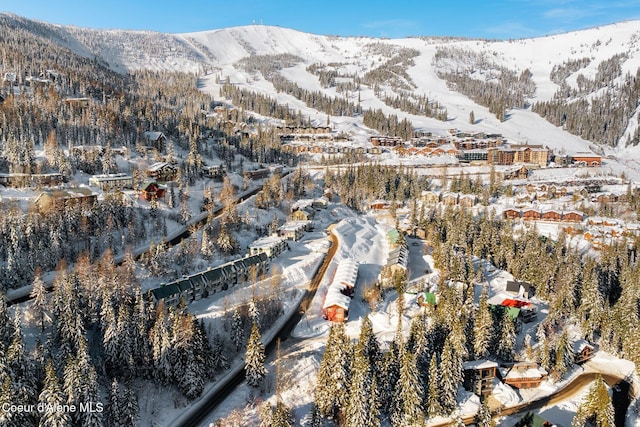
x=391, y=18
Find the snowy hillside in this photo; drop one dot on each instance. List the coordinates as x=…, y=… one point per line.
x=388, y=68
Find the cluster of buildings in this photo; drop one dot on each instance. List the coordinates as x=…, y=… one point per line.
x=205, y=283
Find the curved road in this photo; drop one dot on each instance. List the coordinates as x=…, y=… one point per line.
x=566, y=392
x=236, y=376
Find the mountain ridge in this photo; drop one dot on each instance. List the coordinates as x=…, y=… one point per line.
x=216, y=54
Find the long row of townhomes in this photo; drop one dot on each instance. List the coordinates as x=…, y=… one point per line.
x=208, y=282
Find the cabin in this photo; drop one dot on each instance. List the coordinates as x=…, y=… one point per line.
x=468, y=200
x=155, y=140
x=531, y=214
x=479, y=376
x=430, y=197
x=450, y=199
x=573, y=216
x=213, y=171
x=583, y=351
x=320, y=203
x=112, y=181
x=162, y=171
x=303, y=214
x=272, y=246
x=551, y=215
x=523, y=374
x=520, y=289
x=152, y=190
x=62, y=199
x=511, y=213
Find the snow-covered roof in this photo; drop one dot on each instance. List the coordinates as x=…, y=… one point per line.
x=346, y=273
x=267, y=242
x=336, y=298
x=479, y=364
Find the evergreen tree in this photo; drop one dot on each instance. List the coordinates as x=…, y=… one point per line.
x=564, y=355
x=448, y=379
x=39, y=298
x=482, y=328
x=433, y=395
x=507, y=342
x=357, y=412
x=408, y=401
x=483, y=417
x=218, y=359
x=596, y=408
x=255, y=358
x=52, y=396
x=389, y=376
x=332, y=389
x=237, y=329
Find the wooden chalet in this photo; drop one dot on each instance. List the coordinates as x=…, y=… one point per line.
x=430, y=197
x=155, y=140
x=468, y=200
x=531, y=214
x=162, y=171
x=551, y=215
x=572, y=216
x=523, y=374
x=294, y=230
x=152, y=190
x=62, y=199
x=213, y=171
x=303, y=214
x=511, y=213
x=449, y=199
x=479, y=376
x=583, y=351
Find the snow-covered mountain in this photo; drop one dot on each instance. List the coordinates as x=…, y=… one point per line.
x=412, y=68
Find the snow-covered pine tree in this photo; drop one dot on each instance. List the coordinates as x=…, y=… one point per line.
x=506, y=345
x=482, y=328
x=564, y=355
x=433, y=394
x=218, y=359
x=52, y=396
x=408, y=400
x=448, y=379
x=596, y=407
x=237, y=329
x=483, y=417
x=370, y=347
x=255, y=358
x=333, y=375
x=39, y=298
x=357, y=411
x=389, y=376
x=130, y=408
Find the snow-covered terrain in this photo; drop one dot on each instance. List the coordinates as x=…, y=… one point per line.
x=214, y=55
